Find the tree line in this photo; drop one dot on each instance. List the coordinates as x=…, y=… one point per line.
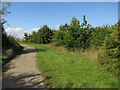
x=83, y=36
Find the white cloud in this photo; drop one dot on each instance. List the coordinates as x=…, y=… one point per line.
x=13, y=30
x=27, y=32
x=57, y=26
x=35, y=29
x=19, y=32
x=30, y=31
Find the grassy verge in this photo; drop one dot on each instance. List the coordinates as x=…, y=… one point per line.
x=65, y=70
x=8, y=54
x=10, y=48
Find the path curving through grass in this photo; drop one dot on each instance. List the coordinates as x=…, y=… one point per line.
x=21, y=71
x=63, y=70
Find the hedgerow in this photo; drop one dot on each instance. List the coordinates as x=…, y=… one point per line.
x=83, y=36
x=110, y=58
x=42, y=36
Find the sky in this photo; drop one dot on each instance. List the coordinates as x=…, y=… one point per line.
x=30, y=16
x=64, y=0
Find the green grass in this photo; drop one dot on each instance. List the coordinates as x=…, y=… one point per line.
x=8, y=54
x=64, y=70
x=11, y=50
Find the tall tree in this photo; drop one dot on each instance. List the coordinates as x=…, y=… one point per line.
x=3, y=13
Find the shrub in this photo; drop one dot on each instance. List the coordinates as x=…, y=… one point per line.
x=11, y=50
x=110, y=59
x=60, y=38
x=44, y=35
x=74, y=35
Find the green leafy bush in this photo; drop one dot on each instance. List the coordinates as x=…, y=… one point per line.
x=98, y=35
x=110, y=59
x=60, y=38
x=11, y=50
x=16, y=47
x=74, y=35
x=83, y=36
x=42, y=36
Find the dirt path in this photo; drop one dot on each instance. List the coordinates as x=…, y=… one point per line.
x=22, y=72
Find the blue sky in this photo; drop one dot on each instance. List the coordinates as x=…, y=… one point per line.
x=29, y=16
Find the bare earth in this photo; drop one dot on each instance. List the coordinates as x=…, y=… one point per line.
x=22, y=72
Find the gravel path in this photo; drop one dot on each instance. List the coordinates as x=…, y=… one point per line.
x=22, y=72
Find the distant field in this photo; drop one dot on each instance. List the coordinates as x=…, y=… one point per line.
x=64, y=70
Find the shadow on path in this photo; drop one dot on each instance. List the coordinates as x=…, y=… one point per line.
x=32, y=50
x=21, y=72
x=19, y=81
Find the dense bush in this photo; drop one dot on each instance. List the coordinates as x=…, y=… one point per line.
x=81, y=36
x=16, y=47
x=110, y=59
x=74, y=35
x=77, y=37
x=60, y=38
x=42, y=36
x=10, y=48
x=98, y=35
x=84, y=36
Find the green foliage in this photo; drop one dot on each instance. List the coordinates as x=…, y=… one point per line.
x=42, y=36
x=74, y=21
x=60, y=38
x=26, y=36
x=110, y=59
x=15, y=45
x=12, y=49
x=53, y=36
x=9, y=46
x=98, y=35
x=74, y=35
x=64, y=27
x=84, y=36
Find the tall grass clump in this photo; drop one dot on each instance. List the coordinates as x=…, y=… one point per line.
x=10, y=48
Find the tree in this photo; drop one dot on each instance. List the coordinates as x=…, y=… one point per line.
x=74, y=35
x=64, y=27
x=42, y=36
x=3, y=13
x=74, y=21
x=45, y=34
x=25, y=36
